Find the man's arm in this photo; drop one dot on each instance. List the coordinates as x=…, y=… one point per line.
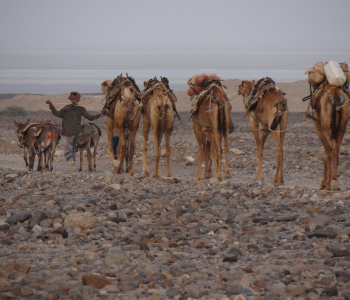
x=91, y=117
x=55, y=112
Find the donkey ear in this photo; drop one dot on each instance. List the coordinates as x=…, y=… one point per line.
x=16, y=123
x=253, y=82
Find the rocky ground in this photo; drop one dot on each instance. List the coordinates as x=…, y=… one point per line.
x=71, y=235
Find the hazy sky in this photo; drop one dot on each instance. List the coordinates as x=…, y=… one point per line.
x=152, y=34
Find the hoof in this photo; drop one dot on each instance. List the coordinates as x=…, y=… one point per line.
x=227, y=176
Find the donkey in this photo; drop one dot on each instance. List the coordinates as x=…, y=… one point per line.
x=47, y=138
x=89, y=138
x=26, y=135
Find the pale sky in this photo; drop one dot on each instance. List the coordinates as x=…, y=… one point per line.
x=152, y=34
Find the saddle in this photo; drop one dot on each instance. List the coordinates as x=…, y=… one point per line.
x=148, y=92
x=116, y=88
x=259, y=89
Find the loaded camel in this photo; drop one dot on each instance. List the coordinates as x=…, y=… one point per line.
x=123, y=115
x=268, y=112
x=330, y=113
x=158, y=114
x=211, y=122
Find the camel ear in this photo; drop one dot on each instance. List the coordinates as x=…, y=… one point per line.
x=145, y=83
x=253, y=82
x=104, y=83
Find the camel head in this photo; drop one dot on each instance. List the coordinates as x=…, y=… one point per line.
x=106, y=86
x=245, y=87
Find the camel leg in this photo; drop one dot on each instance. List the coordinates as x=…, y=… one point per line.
x=197, y=132
x=278, y=178
x=254, y=126
x=132, y=150
x=121, y=150
x=146, y=128
x=226, y=149
x=216, y=153
x=110, y=128
x=157, y=141
x=207, y=159
x=168, y=152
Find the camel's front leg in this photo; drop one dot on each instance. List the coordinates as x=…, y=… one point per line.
x=110, y=128
x=216, y=154
x=121, y=151
x=146, y=128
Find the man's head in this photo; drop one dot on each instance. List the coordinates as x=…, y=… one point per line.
x=74, y=97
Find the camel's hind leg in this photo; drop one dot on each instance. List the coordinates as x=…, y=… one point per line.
x=254, y=126
x=278, y=178
x=157, y=142
x=146, y=128
x=216, y=154
x=168, y=152
x=207, y=159
x=132, y=139
x=121, y=150
x=201, y=144
x=226, y=149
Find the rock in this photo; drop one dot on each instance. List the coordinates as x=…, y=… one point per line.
x=116, y=256
x=20, y=217
x=80, y=220
x=95, y=281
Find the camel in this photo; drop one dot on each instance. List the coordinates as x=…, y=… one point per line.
x=157, y=114
x=270, y=115
x=331, y=115
x=90, y=137
x=126, y=121
x=112, y=90
x=211, y=123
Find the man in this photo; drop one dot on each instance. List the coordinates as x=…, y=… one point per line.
x=71, y=123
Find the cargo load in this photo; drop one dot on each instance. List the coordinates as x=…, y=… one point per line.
x=334, y=73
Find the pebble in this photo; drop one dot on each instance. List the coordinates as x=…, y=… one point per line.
x=101, y=235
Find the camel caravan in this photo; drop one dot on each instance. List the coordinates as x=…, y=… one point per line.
x=264, y=103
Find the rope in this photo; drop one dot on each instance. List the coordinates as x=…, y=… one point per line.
x=211, y=110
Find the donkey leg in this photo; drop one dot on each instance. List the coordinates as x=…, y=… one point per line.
x=89, y=157
x=25, y=155
x=81, y=151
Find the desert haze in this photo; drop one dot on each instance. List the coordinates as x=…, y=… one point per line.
x=295, y=91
